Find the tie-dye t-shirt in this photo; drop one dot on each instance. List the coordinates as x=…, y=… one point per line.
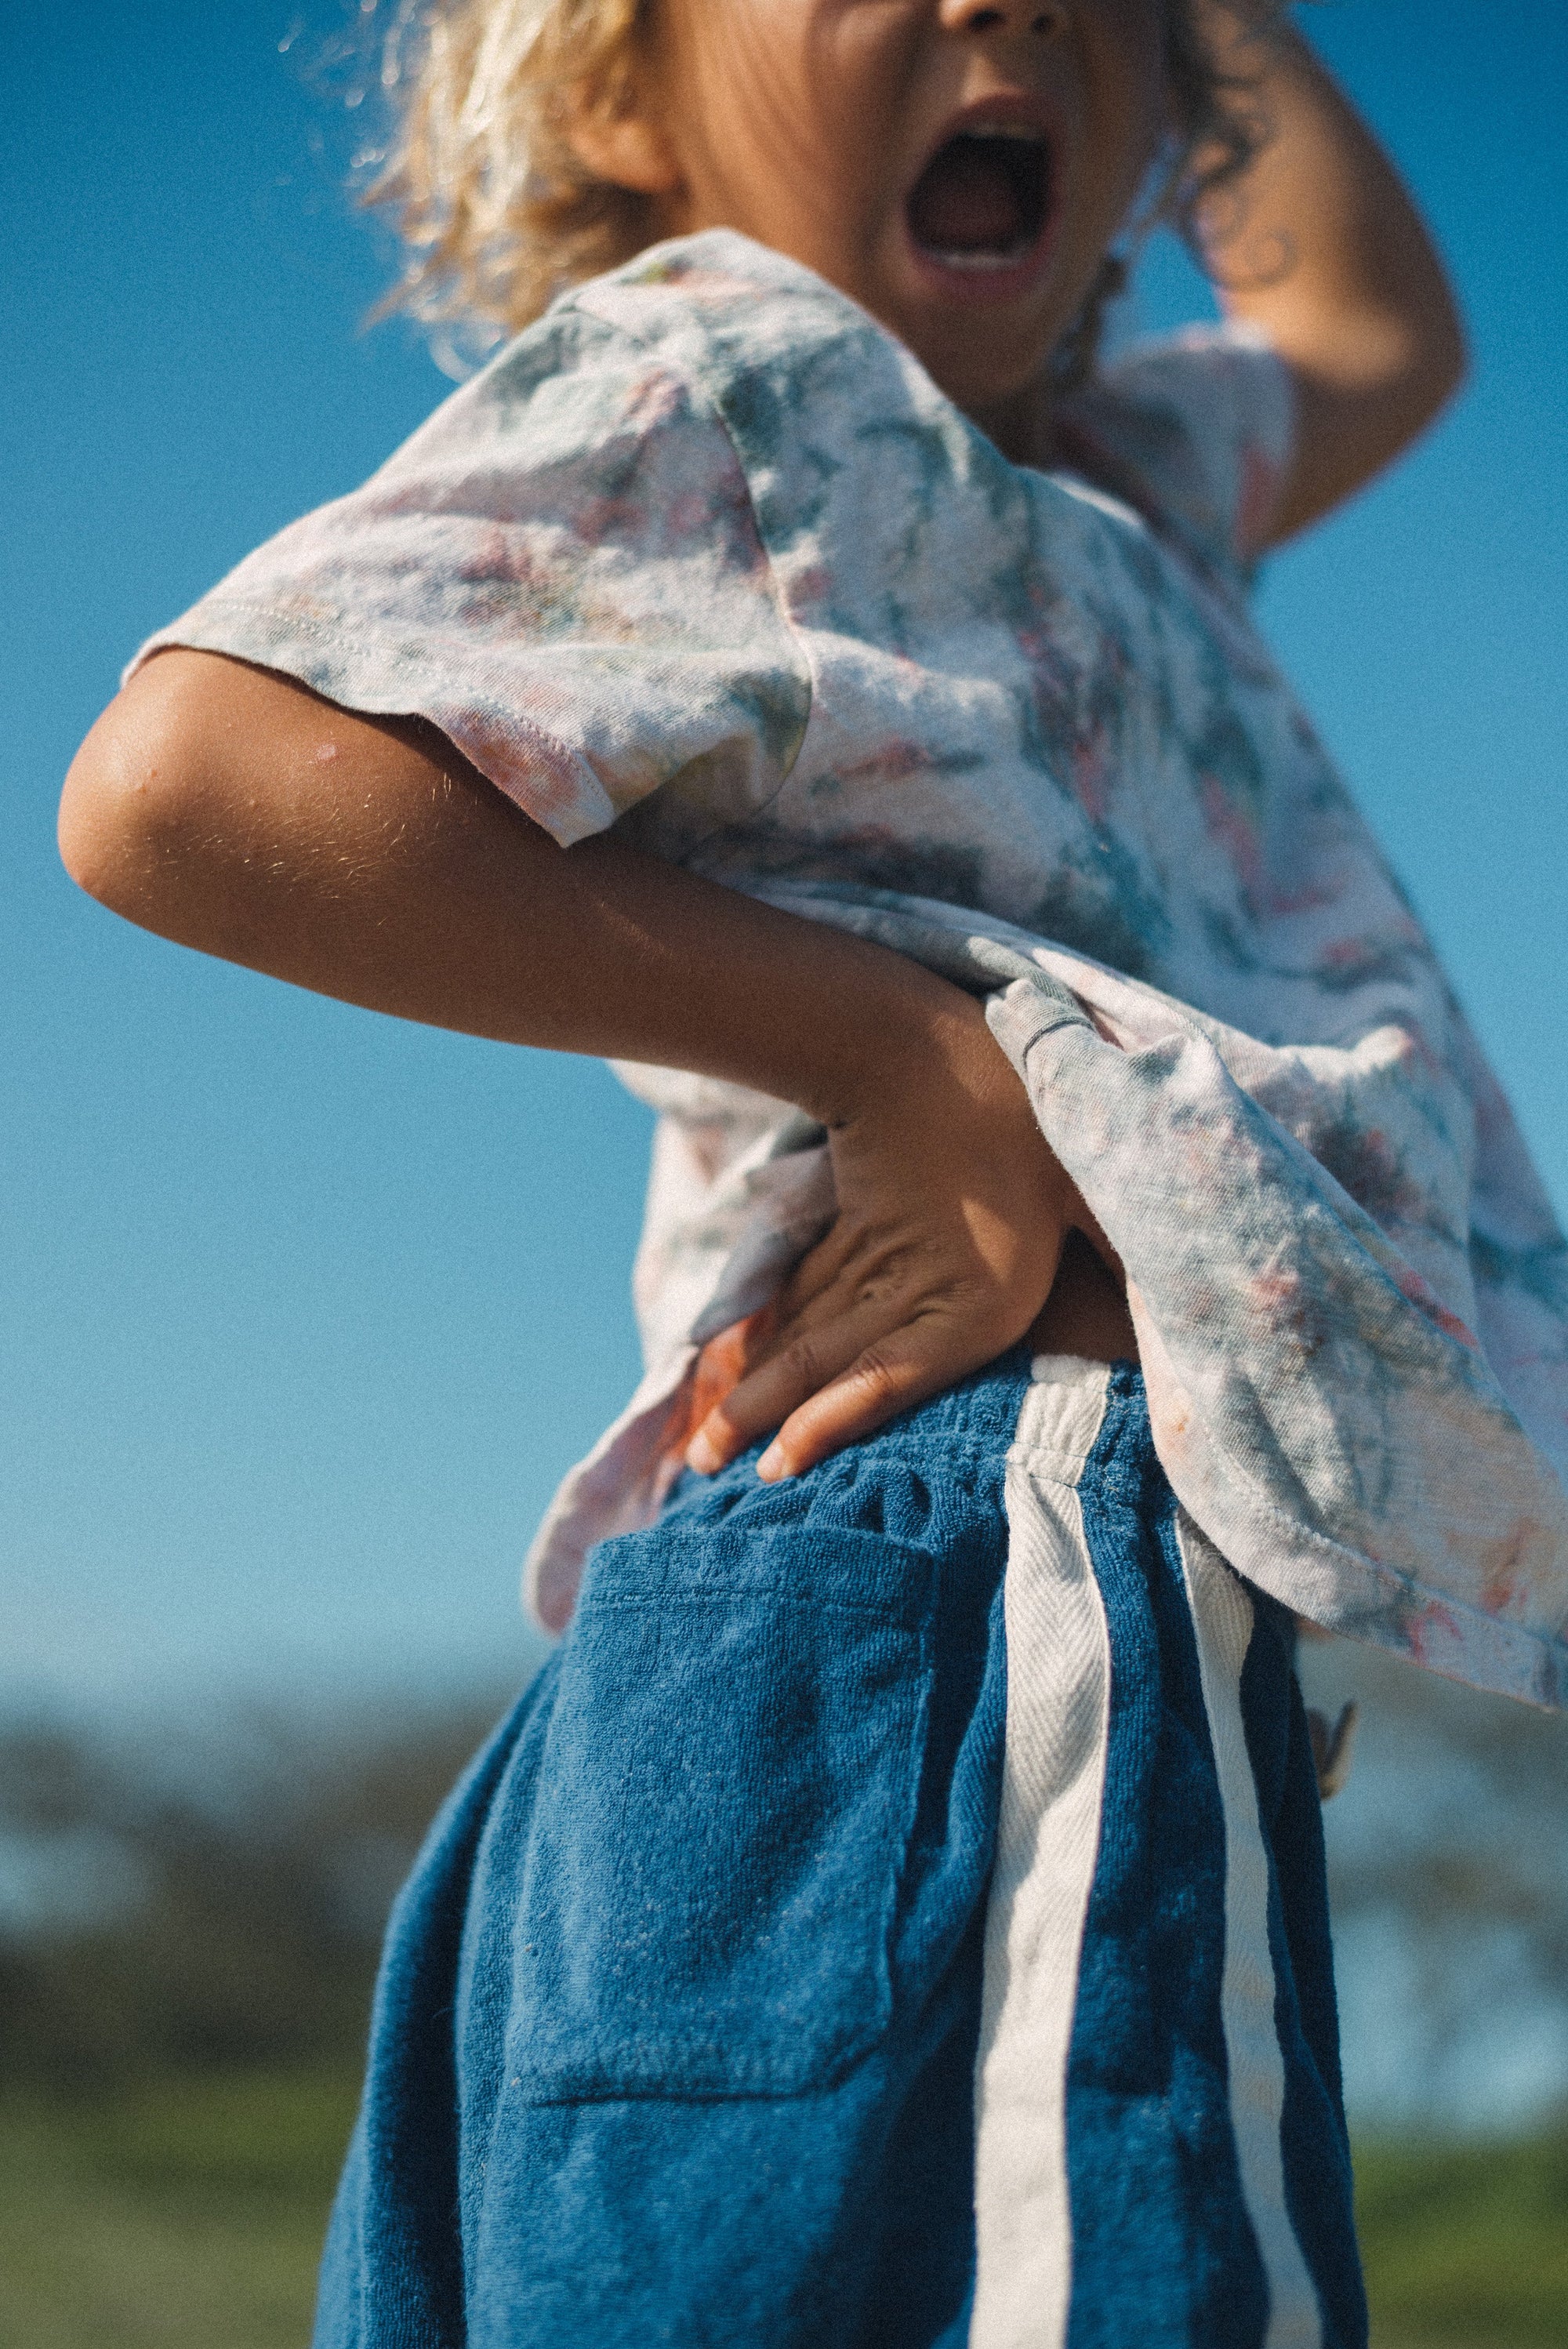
x=706, y=555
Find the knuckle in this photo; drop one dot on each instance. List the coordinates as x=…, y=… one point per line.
x=878, y=1373
x=802, y=1359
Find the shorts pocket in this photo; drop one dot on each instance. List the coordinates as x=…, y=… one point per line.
x=724, y=1805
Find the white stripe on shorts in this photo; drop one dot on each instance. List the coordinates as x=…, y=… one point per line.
x=1223, y=1618
x=1053, y=1780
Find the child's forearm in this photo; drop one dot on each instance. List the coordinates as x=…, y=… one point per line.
x=234, y=811
x=223, y=806
x=1321, y=244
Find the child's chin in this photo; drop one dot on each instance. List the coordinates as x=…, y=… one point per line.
x=980, y=361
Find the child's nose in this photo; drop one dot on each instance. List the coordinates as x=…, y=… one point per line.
x=1043, y=18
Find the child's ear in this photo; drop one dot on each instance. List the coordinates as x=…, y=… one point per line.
x=623, y=146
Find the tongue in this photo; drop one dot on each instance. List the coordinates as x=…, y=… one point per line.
x=966, y=200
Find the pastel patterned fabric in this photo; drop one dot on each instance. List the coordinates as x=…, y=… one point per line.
x=895, y=1919
x=706, y=554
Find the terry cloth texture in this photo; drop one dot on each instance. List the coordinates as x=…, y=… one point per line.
x=895, y=1918
x=706, y=554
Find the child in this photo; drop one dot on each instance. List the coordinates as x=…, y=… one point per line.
x=896, y=1915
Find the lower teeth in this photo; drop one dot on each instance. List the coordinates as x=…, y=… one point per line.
x=970, y=260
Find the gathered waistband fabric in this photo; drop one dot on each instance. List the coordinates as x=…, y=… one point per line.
x=893, y=1919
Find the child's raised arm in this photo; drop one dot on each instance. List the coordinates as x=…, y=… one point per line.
x=235, y=810
x=1320, y=245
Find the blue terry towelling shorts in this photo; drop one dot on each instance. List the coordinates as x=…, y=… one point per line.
x=894, y=1918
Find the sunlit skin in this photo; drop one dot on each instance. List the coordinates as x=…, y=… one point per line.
x=808, y=123
x=232, y=809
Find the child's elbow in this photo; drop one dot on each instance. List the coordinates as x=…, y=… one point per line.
x=104, y=815
x=1406, y=367
x=130, y=801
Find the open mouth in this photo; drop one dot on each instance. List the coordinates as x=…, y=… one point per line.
x=984, y=198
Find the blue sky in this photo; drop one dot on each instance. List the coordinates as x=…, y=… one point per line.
x=305, y=1311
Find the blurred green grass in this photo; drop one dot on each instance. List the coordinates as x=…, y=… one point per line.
x=1467, y=2246
x=182, y=2215
x=188, y=2214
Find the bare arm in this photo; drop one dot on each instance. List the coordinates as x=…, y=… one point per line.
x=1321, y=244
x=233, y=811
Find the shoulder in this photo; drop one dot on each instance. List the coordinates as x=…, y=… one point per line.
x=1196, y=431
x=809, y=388
x=573, y=389
x=709, y=362
x=853, y=455
x=720, y=306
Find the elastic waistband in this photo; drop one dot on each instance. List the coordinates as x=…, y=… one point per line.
x=1048, y=1411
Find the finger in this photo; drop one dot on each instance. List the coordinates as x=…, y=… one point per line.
x=824, y=1394
x=877, y=1301
x=725, y=1360
x=718, y=1426
x=886, y=1379
x=852, y=1272
x=792, y=1369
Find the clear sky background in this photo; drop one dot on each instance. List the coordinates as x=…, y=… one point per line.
x=305, y=1311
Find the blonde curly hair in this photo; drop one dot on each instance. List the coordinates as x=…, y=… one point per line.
x=498, y=212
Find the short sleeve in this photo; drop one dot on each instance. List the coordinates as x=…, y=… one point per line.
x=1197, y=432
x=562, y=570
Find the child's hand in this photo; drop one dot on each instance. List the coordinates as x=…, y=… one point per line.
x=242, y=814
x=951, y=1213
